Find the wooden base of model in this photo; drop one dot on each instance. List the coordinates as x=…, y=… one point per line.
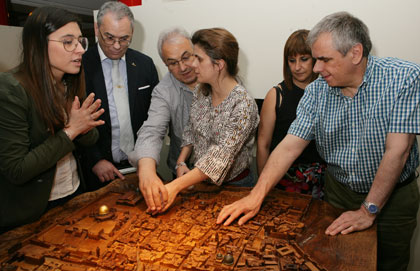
x=115, y=233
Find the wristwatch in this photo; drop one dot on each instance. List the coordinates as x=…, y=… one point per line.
x=180, y=164
x=372, y=208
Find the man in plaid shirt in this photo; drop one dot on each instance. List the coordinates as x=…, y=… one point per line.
x=364, y=113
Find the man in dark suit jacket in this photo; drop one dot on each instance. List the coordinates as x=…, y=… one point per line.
x=137, y=77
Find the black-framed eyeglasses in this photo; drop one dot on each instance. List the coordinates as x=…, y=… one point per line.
x=70, y=43
x=111, y=40
x=186, y=58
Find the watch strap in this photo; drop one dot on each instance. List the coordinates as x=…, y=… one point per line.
x=180, y=164
x=371, y=207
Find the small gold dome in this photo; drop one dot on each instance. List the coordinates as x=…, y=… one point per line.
x=103, y=210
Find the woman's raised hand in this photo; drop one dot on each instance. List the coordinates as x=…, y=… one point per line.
x=83, y=118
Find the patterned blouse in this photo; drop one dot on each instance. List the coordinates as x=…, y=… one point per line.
x=222, y=136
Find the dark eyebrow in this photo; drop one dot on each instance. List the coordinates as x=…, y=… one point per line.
x=323, y=58
x=112, y=36
x=176, y=59
x=183, y=54
x=69, y=36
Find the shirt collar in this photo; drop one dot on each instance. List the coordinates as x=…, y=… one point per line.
x=180, y=84
x=369, y=69
x=102, y=54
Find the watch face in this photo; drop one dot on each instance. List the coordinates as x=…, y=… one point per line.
x=373, y=209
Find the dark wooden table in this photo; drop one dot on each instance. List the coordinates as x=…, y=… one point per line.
x=287, y=234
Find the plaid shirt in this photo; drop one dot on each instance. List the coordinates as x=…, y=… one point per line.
x=351, y=132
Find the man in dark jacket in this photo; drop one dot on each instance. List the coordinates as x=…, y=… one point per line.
x=123, y=79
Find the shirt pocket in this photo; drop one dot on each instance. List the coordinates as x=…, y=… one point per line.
x=374, y=132
x=332, y=127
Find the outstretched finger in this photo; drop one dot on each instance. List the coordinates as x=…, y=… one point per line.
x=334, y=225
x=95, y=106
x=166, y=207
x=224, y=213
x=164, y=193
x=245, y=218
x=348, y=230
x=76, y=103
x=147, y=204
x=157, y=198
x=336, y=228
x=98, y=113
x=118, y=173
x=148, y=196
x=232, y=216
x=228, y=212
x=88, y=101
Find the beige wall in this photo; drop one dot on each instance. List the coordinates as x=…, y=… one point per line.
x=10, y=47
x=262, y=27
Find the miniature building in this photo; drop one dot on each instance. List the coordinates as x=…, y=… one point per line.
x=184, y=238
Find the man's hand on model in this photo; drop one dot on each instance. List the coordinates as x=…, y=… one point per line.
x=151, y=186
x=106, y=171
x=247, y=206
x=351, y=221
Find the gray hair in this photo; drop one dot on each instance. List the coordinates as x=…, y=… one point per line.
x=171, y=34
x=119, y=9
x=346, y=31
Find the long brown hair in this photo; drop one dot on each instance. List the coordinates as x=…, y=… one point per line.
x=218, y=43
x=296, y=44
x=34, y=72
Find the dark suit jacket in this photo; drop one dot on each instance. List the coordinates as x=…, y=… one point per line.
x=141, y=71
x=28, y=155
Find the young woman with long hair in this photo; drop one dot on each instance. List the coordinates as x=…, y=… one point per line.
x=44, y=118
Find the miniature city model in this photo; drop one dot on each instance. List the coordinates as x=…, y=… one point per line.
x=115, y=233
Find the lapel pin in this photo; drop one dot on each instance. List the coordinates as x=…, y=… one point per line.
x=133, y=64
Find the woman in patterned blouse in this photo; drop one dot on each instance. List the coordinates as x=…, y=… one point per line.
x=223, y=118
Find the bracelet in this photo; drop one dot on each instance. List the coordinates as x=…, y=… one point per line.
x=180, y=164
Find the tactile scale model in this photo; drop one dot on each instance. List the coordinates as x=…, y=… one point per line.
x=115, y=233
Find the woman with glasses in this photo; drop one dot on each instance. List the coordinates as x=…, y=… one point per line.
x=223, y=118
x=279, y=111
x=44, y=118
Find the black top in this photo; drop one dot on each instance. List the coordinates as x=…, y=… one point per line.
x=285, y=115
